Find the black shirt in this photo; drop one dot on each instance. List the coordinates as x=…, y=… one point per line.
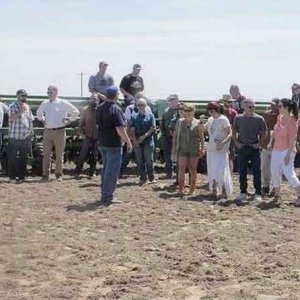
x=132, y=84
x=109, y=116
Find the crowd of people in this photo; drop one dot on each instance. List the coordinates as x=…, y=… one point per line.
x=266, y=143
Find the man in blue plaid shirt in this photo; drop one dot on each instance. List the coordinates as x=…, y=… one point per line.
x=19, y=134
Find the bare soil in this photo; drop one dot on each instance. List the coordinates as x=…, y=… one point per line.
x=56, y=243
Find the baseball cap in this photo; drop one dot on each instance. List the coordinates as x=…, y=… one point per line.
x=111, y=91
x=173, y=97
x=21, y=92
x=137, y=66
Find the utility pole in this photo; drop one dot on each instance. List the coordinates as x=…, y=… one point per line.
x=81, y=83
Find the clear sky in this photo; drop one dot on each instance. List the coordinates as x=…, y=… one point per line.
x=195, y=48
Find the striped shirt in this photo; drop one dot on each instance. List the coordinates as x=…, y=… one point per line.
x=21, y=127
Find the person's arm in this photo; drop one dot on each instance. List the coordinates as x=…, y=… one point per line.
x=162, y=124
x=201, y=132
x=111, y=80
x=235, y=134
x=149, y=132
x=5, y=108
x=15, y=113
x=174, y=142
x=227, y=129
x=292, y=136
x=40, y=113
x=124, y=87
x=142, y=83
x=91, y=84
x=82, y=122
x=124, y=136
x=72, y=112
x=263, y=131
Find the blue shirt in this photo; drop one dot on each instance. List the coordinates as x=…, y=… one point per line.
x=142, y=123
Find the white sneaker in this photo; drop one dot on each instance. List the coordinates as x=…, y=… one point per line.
x=257, y=198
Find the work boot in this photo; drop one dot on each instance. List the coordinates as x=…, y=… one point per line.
x=265, y=191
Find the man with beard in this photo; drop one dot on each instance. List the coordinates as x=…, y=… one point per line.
x=131, y=84
x=19, y=134
x=88, y=129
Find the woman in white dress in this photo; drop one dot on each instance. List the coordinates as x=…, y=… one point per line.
x=218, y=169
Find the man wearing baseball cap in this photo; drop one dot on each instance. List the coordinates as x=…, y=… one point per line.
x=111, y=134
x=19, y=134
x=131, y=84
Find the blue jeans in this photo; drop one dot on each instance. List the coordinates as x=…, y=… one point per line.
x=112, y=160
x=167, y=155
x=245, y=155
x=144, y=160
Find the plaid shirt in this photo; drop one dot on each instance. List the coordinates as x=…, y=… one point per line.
x=21, y=127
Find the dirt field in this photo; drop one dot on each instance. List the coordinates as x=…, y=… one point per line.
x=55, y=243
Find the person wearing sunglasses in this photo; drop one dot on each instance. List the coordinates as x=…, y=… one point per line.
x=19, y=134
x=188, y=147
x=283, y=146
x=218, y=171
x=99, y=82
x=142, y=132
x=247, y=131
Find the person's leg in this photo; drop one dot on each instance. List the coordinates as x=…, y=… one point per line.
x=140, y=163
x=84, y=150
x=290, y=174
x=192, y=167
x=12, y=154
x=59, y=139
x=265, y=171
x=113, y=165
x=148, y=156
x=94, y=156
x=167, y=156
x=47, y=150
x=182, y=165
x=255, y=160
x=276, y=171
x=23, y=148
x=243, y=165
x=125, y=160
x=103, y=151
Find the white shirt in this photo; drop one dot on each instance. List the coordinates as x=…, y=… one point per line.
x=3, y=110
x=129, y=111
x=217, y=130
x=54, y=113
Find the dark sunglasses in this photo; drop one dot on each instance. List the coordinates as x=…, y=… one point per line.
x=24, y=96
x=141, y=105
x=188, y=110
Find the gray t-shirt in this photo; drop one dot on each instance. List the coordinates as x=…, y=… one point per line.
x=99, y=83
x=249, y=128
